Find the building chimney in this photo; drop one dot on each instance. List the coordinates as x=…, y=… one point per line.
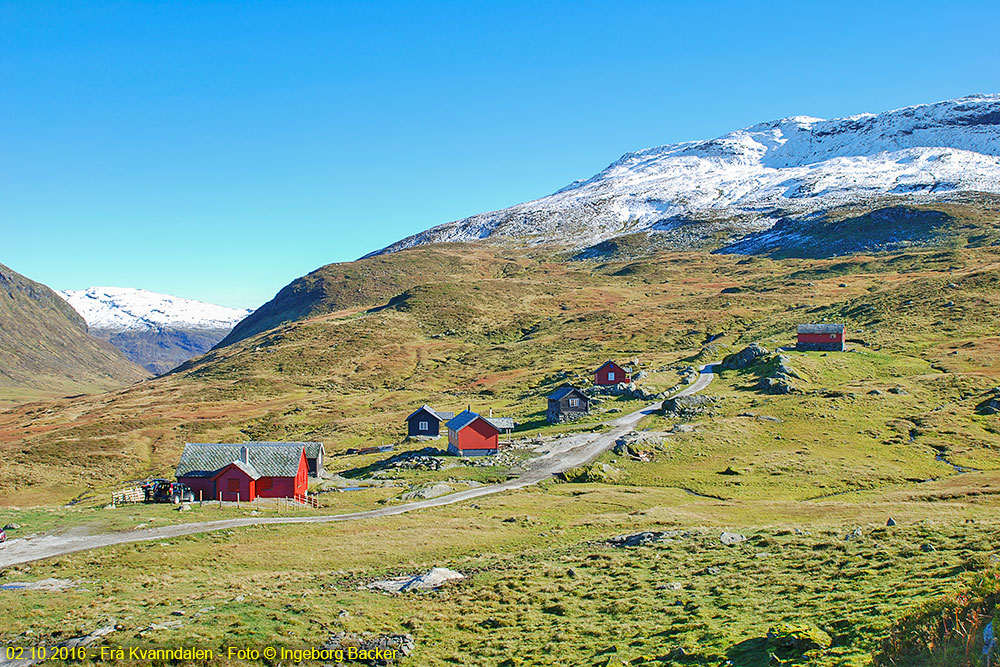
x=245, y=455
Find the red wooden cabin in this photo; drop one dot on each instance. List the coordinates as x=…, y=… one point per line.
x=610, y=373
x=828, y=337
x=244, y=472
x=472, y=435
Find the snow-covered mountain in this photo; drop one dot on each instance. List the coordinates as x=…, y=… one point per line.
x=750, y=178
x=127, y=308
x=158, y=331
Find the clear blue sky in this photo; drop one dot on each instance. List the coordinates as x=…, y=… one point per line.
x=217, y=150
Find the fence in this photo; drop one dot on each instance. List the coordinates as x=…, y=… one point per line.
x=309, y=501
x=134, y=494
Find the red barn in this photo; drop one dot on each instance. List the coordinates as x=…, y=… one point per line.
x=472, y=435
x=220, y=472
x=827, y=337
x=610, y=373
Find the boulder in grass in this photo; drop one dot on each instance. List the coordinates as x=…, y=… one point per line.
x=429, y=581
x=798, y=638
x=746, y=357
x=730, y=539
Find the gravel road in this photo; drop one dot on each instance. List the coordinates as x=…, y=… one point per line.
x=561, y=455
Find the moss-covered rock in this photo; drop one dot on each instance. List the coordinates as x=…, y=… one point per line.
x=798, y=638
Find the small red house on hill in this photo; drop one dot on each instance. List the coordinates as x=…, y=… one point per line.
x=610, y=373
x=244, y=472
x=472, y=435
x=828, y=337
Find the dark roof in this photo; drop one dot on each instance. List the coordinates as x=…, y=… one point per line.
x=267, y=460
x=313, y=449
x=607, y=363
x=501, y=423
x=465, y=418
x=441, y=416
x=564, y=391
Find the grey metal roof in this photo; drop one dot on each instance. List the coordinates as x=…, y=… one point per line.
x=463, y=419
x=204, y=460
x=821, y=328
x=564, y=391
x=501, y=423
x=441, y=416
x=313, y=449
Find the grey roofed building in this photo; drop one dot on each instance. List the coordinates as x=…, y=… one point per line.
x=315, y=452
x=501, y=423
x=267, y=460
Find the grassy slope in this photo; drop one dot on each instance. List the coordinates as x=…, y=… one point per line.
x=45, y=350
x=500, y=332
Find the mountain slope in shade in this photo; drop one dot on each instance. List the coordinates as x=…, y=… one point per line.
x=745, y=181
x=157, y=331
x=45, y=349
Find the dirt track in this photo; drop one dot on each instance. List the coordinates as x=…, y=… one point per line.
x=562, y=455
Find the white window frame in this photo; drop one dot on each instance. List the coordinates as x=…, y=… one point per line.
x=423, y=426
x=574, y=402
x=611, y=376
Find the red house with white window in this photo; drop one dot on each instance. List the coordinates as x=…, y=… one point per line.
x=826, y=337
x=244, y=472
x=472, y=435
x=610, y=373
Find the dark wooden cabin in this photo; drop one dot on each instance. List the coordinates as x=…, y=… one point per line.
x=425, y=422
x=567, y=403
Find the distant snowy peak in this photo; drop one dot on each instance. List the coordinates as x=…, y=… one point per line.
x=755, y=175
x=129, y=309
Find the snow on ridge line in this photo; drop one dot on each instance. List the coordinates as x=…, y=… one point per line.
x=794, y=165
x=129, y=308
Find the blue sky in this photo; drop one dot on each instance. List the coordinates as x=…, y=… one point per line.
x=217, y=150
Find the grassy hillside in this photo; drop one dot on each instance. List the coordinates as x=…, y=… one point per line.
x=810, y=477
x=500, y=328
x=45, y=350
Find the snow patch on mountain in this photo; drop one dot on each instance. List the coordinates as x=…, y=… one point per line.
x=757, y=175
x=130, y=309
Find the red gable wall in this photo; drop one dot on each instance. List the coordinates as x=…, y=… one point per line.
x=480, y=434
x=245, y=484
x=601, y=377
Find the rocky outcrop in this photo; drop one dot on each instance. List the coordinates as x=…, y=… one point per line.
x=991, y=405
x=774, y=385
x=746, y=357
x=687, y=406
x=626, y=389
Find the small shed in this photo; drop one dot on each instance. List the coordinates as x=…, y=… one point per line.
x=567, y=403
x=220, y=471
x=825, y=337
x=503, y=424
x=425, y=422
x=610, y=373
x=470, y=434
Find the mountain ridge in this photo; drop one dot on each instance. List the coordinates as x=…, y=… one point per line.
x=755, y=176
x=156, y=331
